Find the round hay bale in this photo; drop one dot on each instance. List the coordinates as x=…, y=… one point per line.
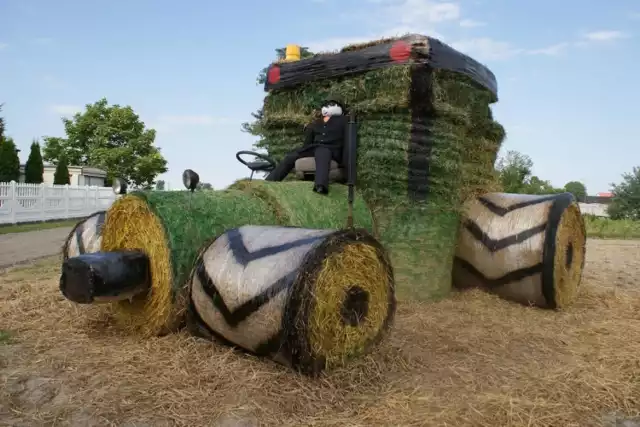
x=306, y=298
x=527, y=249
x=86, y=236
x=170, y=228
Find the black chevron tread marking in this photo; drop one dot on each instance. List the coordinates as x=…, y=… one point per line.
x=495, y=245
x=502, y=211
x=235, y=317
x=242, y=255
x=510, y=277
x=200, y=328
x=271, y=345
x=79, y=241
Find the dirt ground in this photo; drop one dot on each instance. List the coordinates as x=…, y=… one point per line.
x=471, y=360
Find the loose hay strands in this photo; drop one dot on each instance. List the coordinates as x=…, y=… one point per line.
x=472, y=360
x=171, y=228
x=528, y=249
x=359, y=264
x=295, y=204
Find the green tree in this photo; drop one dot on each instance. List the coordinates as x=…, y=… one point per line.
x=9, y=161
x=626, y=197
x=112, y=138
x=535, y=185
x=1, y=125
x=61, y=175
x=578, y=190
x=34, y=168
x=514, y=169
x=160, y=185
x=255, y=127
x=204, y=186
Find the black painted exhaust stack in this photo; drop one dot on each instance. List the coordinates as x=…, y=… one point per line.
x=105, y=277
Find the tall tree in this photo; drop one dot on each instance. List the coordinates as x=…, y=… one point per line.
x=34, y=168
x=112, y=138
x=514, y=169
x=1, y=125
x=160, y=185
x=255, y=127
x=9, y=161
x=626, y=197
x=61, y=175
x=578, y=190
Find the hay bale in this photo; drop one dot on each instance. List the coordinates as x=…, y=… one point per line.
x=527, y=249
x=296, y=205
x=86, y=236
x=307, y=298
x=171, y=228
x=426, y=142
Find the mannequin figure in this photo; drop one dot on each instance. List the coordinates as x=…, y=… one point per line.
x=324, y=140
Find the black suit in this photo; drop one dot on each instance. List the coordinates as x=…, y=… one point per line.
x=325, y=142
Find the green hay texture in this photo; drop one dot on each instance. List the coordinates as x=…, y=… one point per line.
x=296, y=205
x=190, y=221
x=463, y=139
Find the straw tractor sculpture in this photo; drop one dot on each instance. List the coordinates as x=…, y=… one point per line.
x=306, y=279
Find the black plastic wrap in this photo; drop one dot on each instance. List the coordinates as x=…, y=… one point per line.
x=104, y=276
x=425, y=50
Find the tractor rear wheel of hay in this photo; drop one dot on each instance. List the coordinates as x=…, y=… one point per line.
x=86, y=236
x=306, y=298
x=527, y=249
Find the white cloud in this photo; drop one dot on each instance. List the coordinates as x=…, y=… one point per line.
x=65, y=110
x=553, y=50
x=605, y=35
x=485, y=48
x=421, y=12
x=470, y=23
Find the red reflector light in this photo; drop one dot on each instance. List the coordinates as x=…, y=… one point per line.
x=400, y=51
x=273, y=76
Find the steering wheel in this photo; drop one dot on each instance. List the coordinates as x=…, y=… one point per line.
x=265, y=164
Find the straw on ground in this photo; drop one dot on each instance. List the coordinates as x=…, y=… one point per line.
x=470, y=360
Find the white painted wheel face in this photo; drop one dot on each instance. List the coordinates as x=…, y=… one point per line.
x=243, y=279
x=87, y=236
x=501, y=246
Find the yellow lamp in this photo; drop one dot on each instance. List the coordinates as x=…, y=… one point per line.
x=292, y=52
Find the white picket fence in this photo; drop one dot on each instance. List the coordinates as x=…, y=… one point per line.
x=45, y=202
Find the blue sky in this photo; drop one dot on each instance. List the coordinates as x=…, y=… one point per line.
x=565, y=68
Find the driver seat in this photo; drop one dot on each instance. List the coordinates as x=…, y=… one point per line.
x=305, y=168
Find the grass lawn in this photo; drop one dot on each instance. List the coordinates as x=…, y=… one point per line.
x=33, y=226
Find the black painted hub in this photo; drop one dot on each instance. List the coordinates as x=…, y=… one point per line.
x=355, y=306
x=569, y=255
x=107, y=276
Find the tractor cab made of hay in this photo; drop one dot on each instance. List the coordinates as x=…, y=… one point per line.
x=311, y=280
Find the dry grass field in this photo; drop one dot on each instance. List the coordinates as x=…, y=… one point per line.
x=471, y=360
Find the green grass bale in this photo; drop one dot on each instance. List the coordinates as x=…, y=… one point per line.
x=426, y=141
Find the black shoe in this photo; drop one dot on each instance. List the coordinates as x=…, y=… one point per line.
x=321, y=189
